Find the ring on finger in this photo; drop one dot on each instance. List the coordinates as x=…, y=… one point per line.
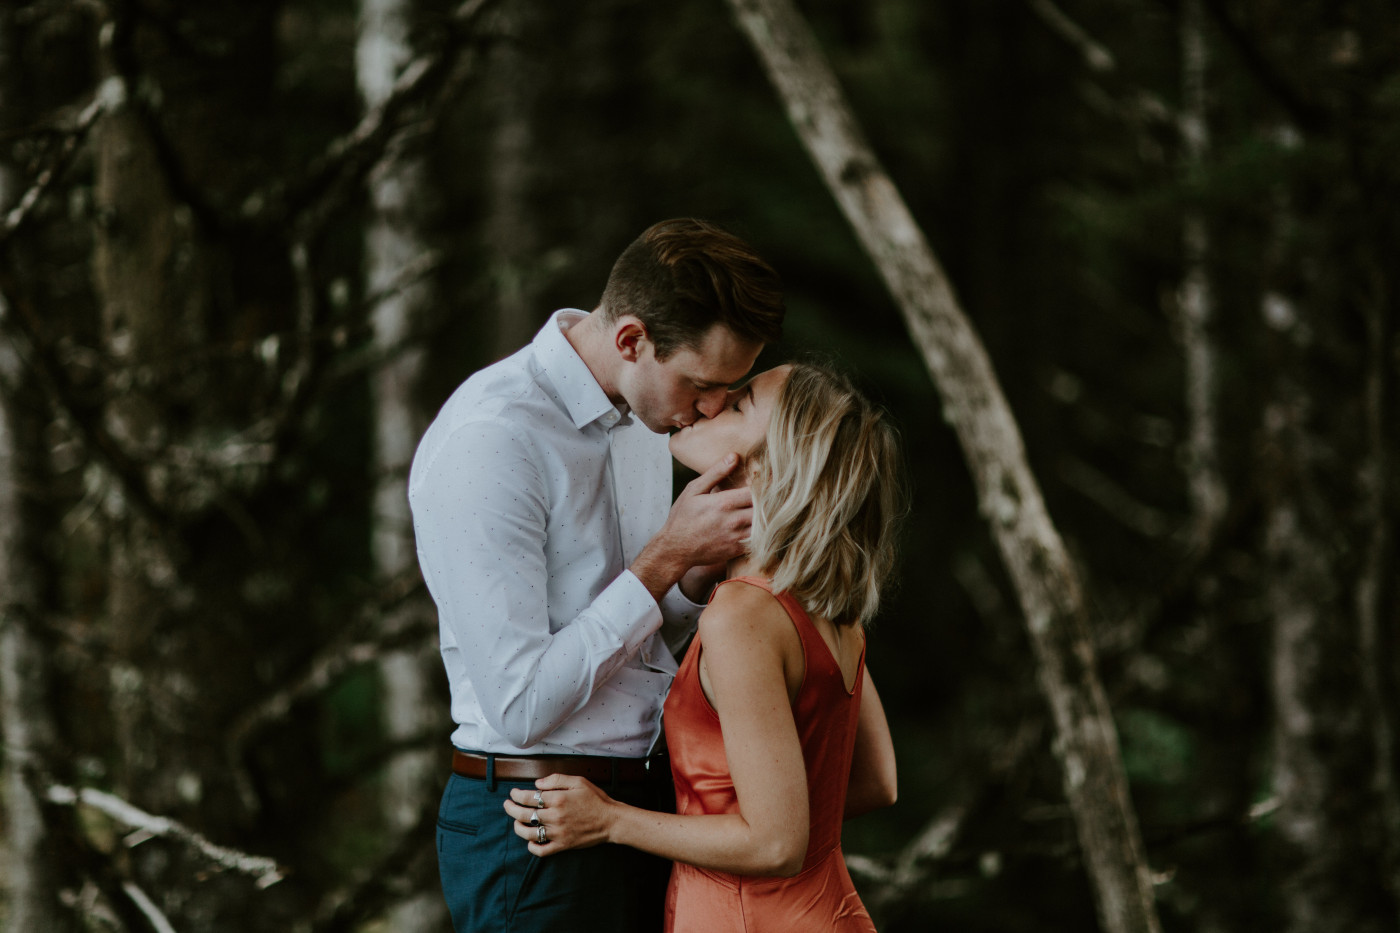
x=534, y=818
x=540, y=837
x=539, y=799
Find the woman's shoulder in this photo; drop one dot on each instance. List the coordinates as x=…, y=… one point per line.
x=743, y=607
x=745, y=631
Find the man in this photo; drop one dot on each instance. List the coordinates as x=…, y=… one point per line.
x=541, y=500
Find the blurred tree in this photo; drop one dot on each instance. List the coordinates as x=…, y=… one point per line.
x=28, y=731
x=399, y=289
x=1324, y=507
x=175, y=285
x=1195, y=299
x=511, y=228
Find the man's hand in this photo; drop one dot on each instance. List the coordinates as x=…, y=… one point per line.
x=705, y=526
x=700, y=581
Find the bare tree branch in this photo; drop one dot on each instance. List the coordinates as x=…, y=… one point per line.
x=1307, y=116
x=1108, y=494
x=1096, y=57
x=264, y=870
x=1133, y=101
x=324, y=669
x=911, y=867
x=21, y=323
x=372, y=892
x=159, y=922
x=349, y=158
x=908, y=875
x=58, y=161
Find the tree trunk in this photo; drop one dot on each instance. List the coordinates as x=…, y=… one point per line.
x=145, y=297
x=395, y=240
x=139, y=306
x=26, y=722
x=186, y=650
x=1329, y=842
x=1046, y=582
x=1376, y=587
x=1333, y=748
x=27, y=728
x=513, y=79
x=1195, y=301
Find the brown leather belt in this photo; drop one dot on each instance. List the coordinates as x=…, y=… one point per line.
x=599, y=770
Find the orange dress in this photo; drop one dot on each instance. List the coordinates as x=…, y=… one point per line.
x=821, y=896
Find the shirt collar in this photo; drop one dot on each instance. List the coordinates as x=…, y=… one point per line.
x=578, y=391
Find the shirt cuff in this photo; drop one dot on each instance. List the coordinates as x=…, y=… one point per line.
x=680, y=617
x=676, y=603
x=627, y=608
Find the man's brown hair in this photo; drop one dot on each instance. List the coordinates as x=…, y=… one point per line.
x=683, y=276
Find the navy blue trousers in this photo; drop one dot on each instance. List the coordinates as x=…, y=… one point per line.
x=492, y=882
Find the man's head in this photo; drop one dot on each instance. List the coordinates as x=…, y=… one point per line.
x=688, y=306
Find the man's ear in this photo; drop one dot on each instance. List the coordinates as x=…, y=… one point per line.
x=629, y=336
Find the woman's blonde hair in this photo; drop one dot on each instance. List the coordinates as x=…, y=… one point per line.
x=828, y=496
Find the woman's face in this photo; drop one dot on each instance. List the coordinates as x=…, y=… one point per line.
x=739, y=428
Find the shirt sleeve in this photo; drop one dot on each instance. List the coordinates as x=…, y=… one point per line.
x=480, y=517
x=680, y=617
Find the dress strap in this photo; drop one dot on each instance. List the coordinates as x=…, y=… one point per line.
x=762, y=583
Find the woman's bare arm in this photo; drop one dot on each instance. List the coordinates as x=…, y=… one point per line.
x=745, y=635
x=873, y=780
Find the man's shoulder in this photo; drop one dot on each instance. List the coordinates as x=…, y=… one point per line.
x=496, y=413
x=506, y=391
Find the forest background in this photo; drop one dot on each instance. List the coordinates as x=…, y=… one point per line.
x=249, y=247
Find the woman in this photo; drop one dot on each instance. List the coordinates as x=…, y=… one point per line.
x=773, y=725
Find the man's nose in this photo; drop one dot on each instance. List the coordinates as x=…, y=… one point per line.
x=712, y=403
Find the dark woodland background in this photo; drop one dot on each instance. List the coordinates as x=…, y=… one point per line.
x=236, y=281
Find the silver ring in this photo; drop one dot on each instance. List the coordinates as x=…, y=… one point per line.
x=540, y=837
x=535, y=818
x=539, y=799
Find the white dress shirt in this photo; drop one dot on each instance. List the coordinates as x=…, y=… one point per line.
x=531, y=495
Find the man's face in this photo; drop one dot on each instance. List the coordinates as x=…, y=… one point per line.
x=690, y=383
x=738, y=429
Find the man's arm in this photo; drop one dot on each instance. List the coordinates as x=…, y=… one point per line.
x=480, y=513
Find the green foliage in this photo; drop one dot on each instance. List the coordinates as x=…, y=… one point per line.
x=1156, y=750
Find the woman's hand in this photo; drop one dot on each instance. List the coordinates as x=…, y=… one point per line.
x=575, y=814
